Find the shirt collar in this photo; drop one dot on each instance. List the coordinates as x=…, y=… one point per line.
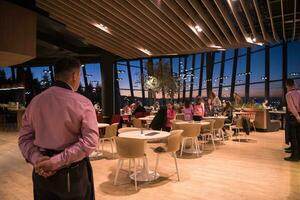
x=63, y=84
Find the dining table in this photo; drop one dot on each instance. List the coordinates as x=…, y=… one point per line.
x=146, y=135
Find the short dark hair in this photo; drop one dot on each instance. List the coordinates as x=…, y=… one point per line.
x=290, y=82
x=66, y=64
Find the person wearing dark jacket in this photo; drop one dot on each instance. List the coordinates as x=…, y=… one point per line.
x=160, y=119
x=139, y=108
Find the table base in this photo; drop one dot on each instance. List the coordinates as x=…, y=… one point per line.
x=191, y=151
x=141, y=175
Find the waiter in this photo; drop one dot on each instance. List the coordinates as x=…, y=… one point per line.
x=293, y=116
x=59, y=131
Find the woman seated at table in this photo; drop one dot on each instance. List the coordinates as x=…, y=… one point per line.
x=160, y=120
x=199, y=109
x=209, y=109
x=228, y=109
x=171, y=114
x=188, y=111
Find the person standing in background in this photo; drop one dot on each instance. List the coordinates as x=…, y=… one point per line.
x=199, y=109
x=59, y=131
x=293, y=122
x=188, y=111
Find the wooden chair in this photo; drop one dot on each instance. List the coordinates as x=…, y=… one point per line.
x=110, y=134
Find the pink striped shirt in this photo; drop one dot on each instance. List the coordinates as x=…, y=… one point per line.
x=293, y=102
x=59, y=119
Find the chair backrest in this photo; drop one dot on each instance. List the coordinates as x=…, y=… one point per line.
x=111, y=131
x=174, y=125
x=174, y=140
x=137, y=123
x=180, y=116
x=147, y=113
x=115, y=119
x=130, y=147
x=127, y=129
x=239, y=122
x=139, y=114
x=99, y=117
x=219, y=123
x=190, y=130
x=209, y=127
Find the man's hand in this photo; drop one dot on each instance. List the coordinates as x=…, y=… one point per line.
x=44, y=167
x=298, y=119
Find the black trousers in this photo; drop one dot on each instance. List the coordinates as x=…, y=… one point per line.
x=294, y=135
x=72, y=183
x=197, y=118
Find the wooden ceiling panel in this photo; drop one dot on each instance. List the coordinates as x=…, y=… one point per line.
x=145, y=28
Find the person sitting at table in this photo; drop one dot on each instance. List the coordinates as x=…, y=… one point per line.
x=237, y=99
x=265, y=104
x=209, y=109
x=188, y=111
x=171, y=114
x=215, y=100
x=138, y=108
x=155, y=106
x=228, y=109
x=199, y=109
x=126, y=109
x=160, y=120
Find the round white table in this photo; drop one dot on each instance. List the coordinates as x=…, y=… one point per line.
x=217, y=117
x=192, y=149
x=143, y=174
x=103, y=125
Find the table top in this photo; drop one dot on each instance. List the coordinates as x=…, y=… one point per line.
x=147, y=118
x=192, y=122
x=103, y=125
x=144, y=136
x=277, y=111
x=217, y=117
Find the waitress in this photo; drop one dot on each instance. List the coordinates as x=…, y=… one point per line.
x=199, y=109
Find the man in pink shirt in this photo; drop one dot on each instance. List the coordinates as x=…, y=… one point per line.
x=59, y=131
x=293, y=116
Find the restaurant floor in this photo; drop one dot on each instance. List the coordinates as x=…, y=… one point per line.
x=253, y=170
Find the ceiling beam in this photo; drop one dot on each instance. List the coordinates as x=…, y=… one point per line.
x=295, y=20
x=249, y=19
x=229, y=22
x=209, y=22
x=261, y=23
x=218, y=20
x=283, y=24
x=275, y=36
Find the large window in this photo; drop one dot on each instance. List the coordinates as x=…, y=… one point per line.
x=276, y=63
x=257, y=67
x=241, y=70
x=293, y=61
x=227, y=72
x=216, y=75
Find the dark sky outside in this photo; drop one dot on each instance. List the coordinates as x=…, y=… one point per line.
x=257, y=70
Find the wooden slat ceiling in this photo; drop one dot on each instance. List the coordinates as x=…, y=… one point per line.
x=143, y=28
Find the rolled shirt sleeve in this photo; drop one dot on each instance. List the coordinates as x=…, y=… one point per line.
x=87, y=142
x=291, y=105
x=26, y=140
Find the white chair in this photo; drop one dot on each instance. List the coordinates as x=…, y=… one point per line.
x=173, y=145
x=218, y=129
x=207, y=133
x=110, y=134
x=190, y=132
x=130, y=149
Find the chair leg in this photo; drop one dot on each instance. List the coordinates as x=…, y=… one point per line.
x=156, y=165
x=146, y=167
x=112, y=148
x=196, y=146
x=213, y=141
x=102, y=145
x=129, y=167
x=254, y=127
x=135, y=182
x=175, y=158
x=117, y=172
x=182, y=146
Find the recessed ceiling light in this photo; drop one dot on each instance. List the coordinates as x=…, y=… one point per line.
x=146, y=51
x=198, y=28
x=102, y=27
